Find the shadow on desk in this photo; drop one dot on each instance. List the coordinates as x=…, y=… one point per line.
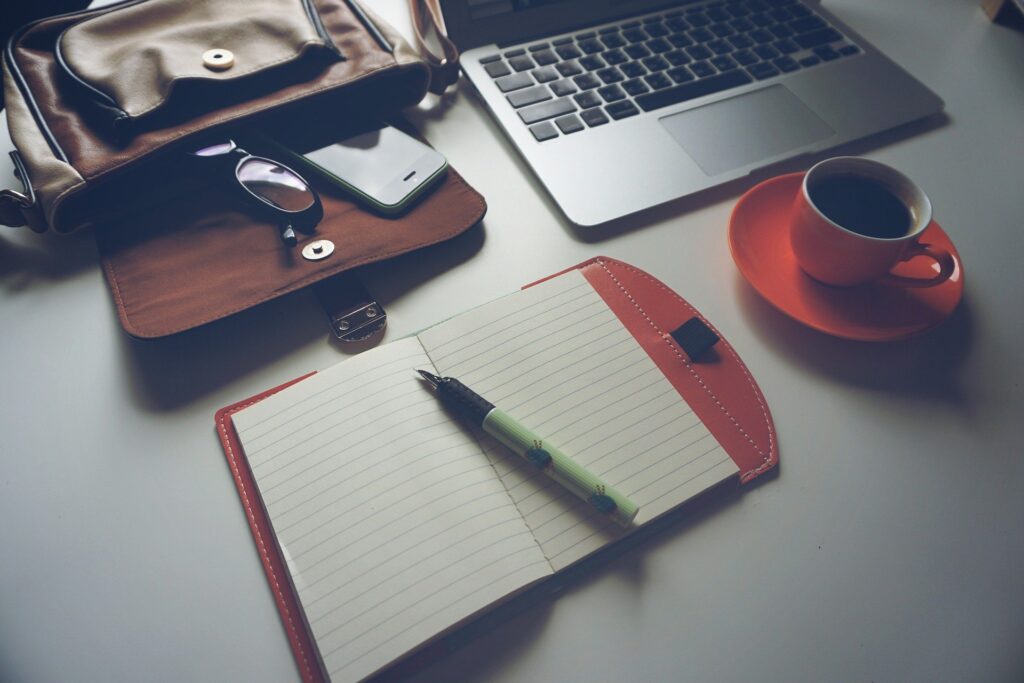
x=733, y=189
x=173, y=371
x=922, y=367
x=504, y=633
x=28, y=258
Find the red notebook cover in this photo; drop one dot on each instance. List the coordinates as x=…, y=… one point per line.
x=719, y=388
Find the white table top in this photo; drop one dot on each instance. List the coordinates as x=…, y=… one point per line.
x=889, y=548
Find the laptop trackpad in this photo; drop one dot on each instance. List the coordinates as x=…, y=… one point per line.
x=745, y=129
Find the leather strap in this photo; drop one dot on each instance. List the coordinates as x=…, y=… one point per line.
x=426, y=14
x=21, y=208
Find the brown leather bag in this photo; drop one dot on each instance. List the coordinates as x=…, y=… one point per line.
x=105, y=105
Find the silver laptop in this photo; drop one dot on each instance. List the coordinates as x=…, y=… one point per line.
x=617, y=114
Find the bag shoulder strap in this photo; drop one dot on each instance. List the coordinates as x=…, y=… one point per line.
x=426, y=14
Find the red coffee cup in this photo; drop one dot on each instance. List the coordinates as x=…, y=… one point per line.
x=855, y=219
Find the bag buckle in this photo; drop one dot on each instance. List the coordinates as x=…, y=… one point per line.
x=354, y=315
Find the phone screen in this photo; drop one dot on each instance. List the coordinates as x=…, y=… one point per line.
x=386, y=165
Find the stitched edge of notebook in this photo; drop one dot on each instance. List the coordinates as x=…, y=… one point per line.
x=766, y=456
x=226, y=440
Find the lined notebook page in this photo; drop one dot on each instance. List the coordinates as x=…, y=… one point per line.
x=557, y=359
x=391, y=520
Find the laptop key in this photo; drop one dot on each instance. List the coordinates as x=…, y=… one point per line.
x=513, y=82
x=592, y=63
x=720, y=47
x=614, y=57
x=763, y=70
x=588, y=35
x=636, y=87
x=781, y=31
x=766, y=52
x=810, y=61
x=786, y=64
x=701, y=35
x=497, y=69
x=591, y=46
x=587, y=99
x=621, y=110
x=724, y=63
x=677, y=24
x=568, y=52
x=786, y=47
x=659, y=45
x=702, y=69
x=524, y=98
x=547, y=110
x=689, y=91
x=489, y=58
x=698, y=52
x=847, y=50
x=611, y=75
x=680, y=74
x=586, y=81
x=635, y=35
x=826, y=52
x=632, y=69
x=677, y=58
x=514, y=53
x=697, y=19
x=538, y=47
x=680, y=40
x=544, y=131
x=565, y=40
x=658, y=81
x=611, y=93
x=760, y=36
x=721, y=30
x=656, y=30
x=569, y=124
x=745, y=57
x=655, y=63
x=568, y=69
x=545, y=57
x=521, y=63
x=637, y=51
x=594, y=117
x=613, y=41
x=563, y=87
x=741, y=25
x=545, y=74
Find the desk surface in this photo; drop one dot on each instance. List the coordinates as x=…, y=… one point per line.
x=887, y=549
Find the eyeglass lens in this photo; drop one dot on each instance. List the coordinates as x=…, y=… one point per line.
x=275, y=184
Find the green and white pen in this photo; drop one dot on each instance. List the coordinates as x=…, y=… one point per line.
x=545, y=457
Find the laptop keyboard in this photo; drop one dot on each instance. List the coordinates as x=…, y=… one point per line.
x=580, y=81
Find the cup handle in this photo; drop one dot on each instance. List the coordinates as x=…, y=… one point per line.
x=947, y=264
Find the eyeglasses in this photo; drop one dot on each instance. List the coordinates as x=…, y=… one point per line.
x=274, y=191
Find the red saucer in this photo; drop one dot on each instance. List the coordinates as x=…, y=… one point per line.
x=759, y=241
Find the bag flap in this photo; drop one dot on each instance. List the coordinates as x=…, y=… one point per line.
x=133, y=58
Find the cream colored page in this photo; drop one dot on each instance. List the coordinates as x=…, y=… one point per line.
x=557, y=359
x=390, y=518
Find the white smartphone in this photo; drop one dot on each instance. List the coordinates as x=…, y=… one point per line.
x=385, y=168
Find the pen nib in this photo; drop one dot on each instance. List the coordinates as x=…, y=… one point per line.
x=433, y=379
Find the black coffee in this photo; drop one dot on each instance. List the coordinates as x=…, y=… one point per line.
x=861, y=205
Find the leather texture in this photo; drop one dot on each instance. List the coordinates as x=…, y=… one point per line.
x=138, y=55
x=201, y=257
x=721, y=391
x=81, y=156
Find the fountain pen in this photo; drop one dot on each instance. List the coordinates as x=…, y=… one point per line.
x=542, y=455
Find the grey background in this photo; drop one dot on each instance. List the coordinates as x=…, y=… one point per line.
x=888, y=548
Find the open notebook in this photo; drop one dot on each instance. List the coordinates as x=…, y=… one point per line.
x=397, y=521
